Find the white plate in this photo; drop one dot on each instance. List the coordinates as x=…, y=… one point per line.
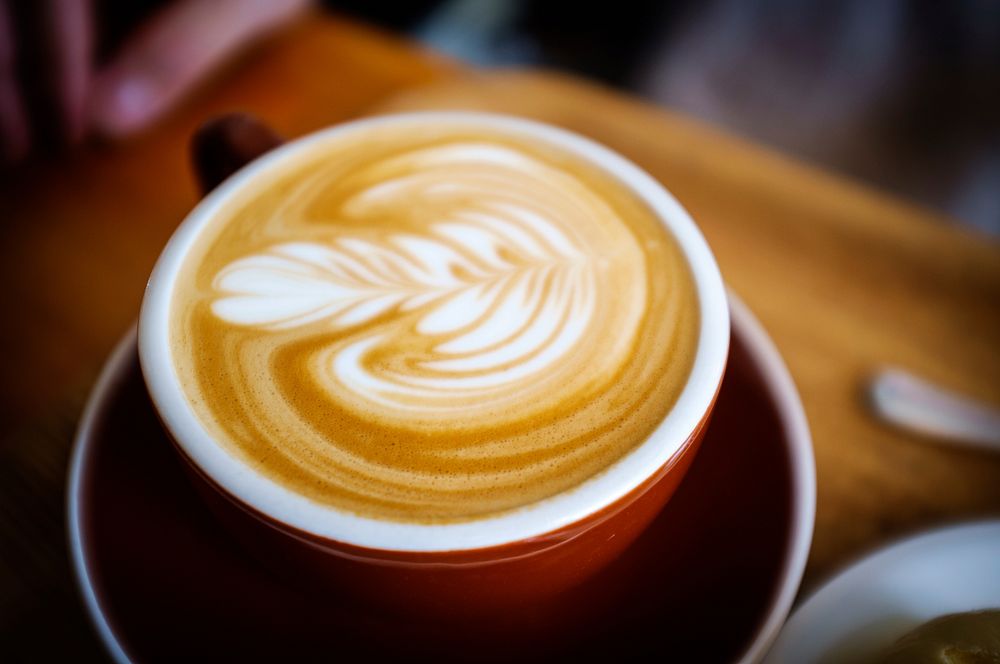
x=865, y=608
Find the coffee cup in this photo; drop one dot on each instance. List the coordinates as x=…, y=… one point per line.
x=449, y=362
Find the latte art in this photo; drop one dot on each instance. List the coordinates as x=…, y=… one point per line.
x=433, y=325
x=482, y=309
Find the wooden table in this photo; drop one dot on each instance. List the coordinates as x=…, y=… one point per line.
x=845, y=278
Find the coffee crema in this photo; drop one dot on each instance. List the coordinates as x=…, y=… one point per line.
x=425, y=322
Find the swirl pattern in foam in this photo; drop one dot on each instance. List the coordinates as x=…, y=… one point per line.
x=433, y=324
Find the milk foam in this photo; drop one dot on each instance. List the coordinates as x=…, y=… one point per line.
x=504, y=293
x=435, y=326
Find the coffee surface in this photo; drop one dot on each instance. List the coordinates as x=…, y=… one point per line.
x=425, y=322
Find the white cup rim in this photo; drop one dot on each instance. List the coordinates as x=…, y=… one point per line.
x=597, y=493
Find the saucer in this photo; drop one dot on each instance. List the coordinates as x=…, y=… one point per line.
x=863, y=610
x=711, y=580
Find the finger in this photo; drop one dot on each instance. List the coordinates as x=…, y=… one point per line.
x=173, y=52
x=224, y=145
x=70, y=32
x=14, y=134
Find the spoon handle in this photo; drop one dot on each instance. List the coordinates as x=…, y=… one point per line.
x=904, y=400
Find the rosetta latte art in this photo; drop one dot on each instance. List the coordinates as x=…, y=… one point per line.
x=495, y=322
x=501, y=292
x=435, y=329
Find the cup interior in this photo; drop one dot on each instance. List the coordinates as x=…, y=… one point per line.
x=258, y=492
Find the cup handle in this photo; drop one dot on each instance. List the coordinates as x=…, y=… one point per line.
x=225, y=144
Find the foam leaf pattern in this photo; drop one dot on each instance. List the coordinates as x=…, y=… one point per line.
x=495, y=296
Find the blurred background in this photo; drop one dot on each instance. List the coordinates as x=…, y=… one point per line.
x=903, y=94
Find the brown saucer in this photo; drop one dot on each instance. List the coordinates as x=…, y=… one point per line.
x=712, y=579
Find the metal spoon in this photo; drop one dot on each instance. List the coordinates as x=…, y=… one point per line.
x=906, y=401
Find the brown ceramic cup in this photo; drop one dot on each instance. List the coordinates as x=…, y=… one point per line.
x=461, y=569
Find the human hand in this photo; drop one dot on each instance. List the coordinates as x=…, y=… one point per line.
x=52, y=91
